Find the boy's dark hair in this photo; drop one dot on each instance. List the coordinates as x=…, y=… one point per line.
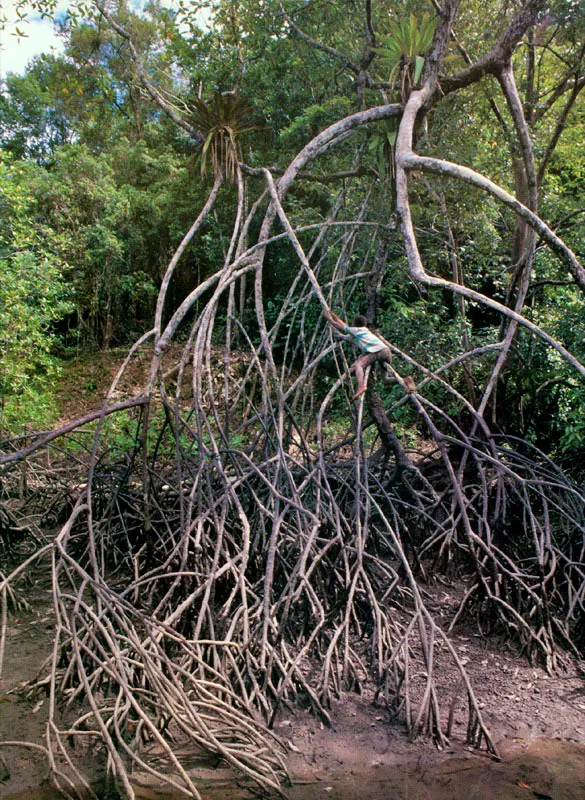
x=360, y=321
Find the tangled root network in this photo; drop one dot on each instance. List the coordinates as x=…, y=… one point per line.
x=260, y=540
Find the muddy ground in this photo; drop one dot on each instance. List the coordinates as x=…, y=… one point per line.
x=537, y=721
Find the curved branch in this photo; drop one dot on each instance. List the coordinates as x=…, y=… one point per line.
x=316, y=146
x=508, y=83
x=524, y=239
x=407, y=160
x=437, y=166
x=294, y=240
x=46, y=437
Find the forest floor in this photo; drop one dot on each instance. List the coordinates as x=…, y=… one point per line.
x=85, y=381
x=536, y=720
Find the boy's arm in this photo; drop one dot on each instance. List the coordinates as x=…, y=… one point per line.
x=335, y=321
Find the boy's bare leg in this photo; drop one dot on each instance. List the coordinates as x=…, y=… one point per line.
x=368, y=360
x=360, y=374
x=387, y=374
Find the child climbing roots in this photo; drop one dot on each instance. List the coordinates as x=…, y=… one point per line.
x=375, y=349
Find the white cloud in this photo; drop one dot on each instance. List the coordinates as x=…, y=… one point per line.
x=16, y=51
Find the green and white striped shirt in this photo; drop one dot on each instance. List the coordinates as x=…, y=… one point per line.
x=366, y=340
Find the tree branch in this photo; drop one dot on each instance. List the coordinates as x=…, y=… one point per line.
x=44, y=438
x=501, y=52
x=324, y=48
x=407, y=160
x=154, y=94
x=437, y=166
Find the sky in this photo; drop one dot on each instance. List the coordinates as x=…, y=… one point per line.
x=15, y=51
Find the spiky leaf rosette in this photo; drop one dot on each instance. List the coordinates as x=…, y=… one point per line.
x=403, y=48
x=223, y=121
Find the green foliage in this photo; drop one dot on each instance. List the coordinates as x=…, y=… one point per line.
x=111, y=182
x=117, y=215
x=33, y=120
x=381, y=146
x=572, y=410
x=33, y=297
x=314, y=119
